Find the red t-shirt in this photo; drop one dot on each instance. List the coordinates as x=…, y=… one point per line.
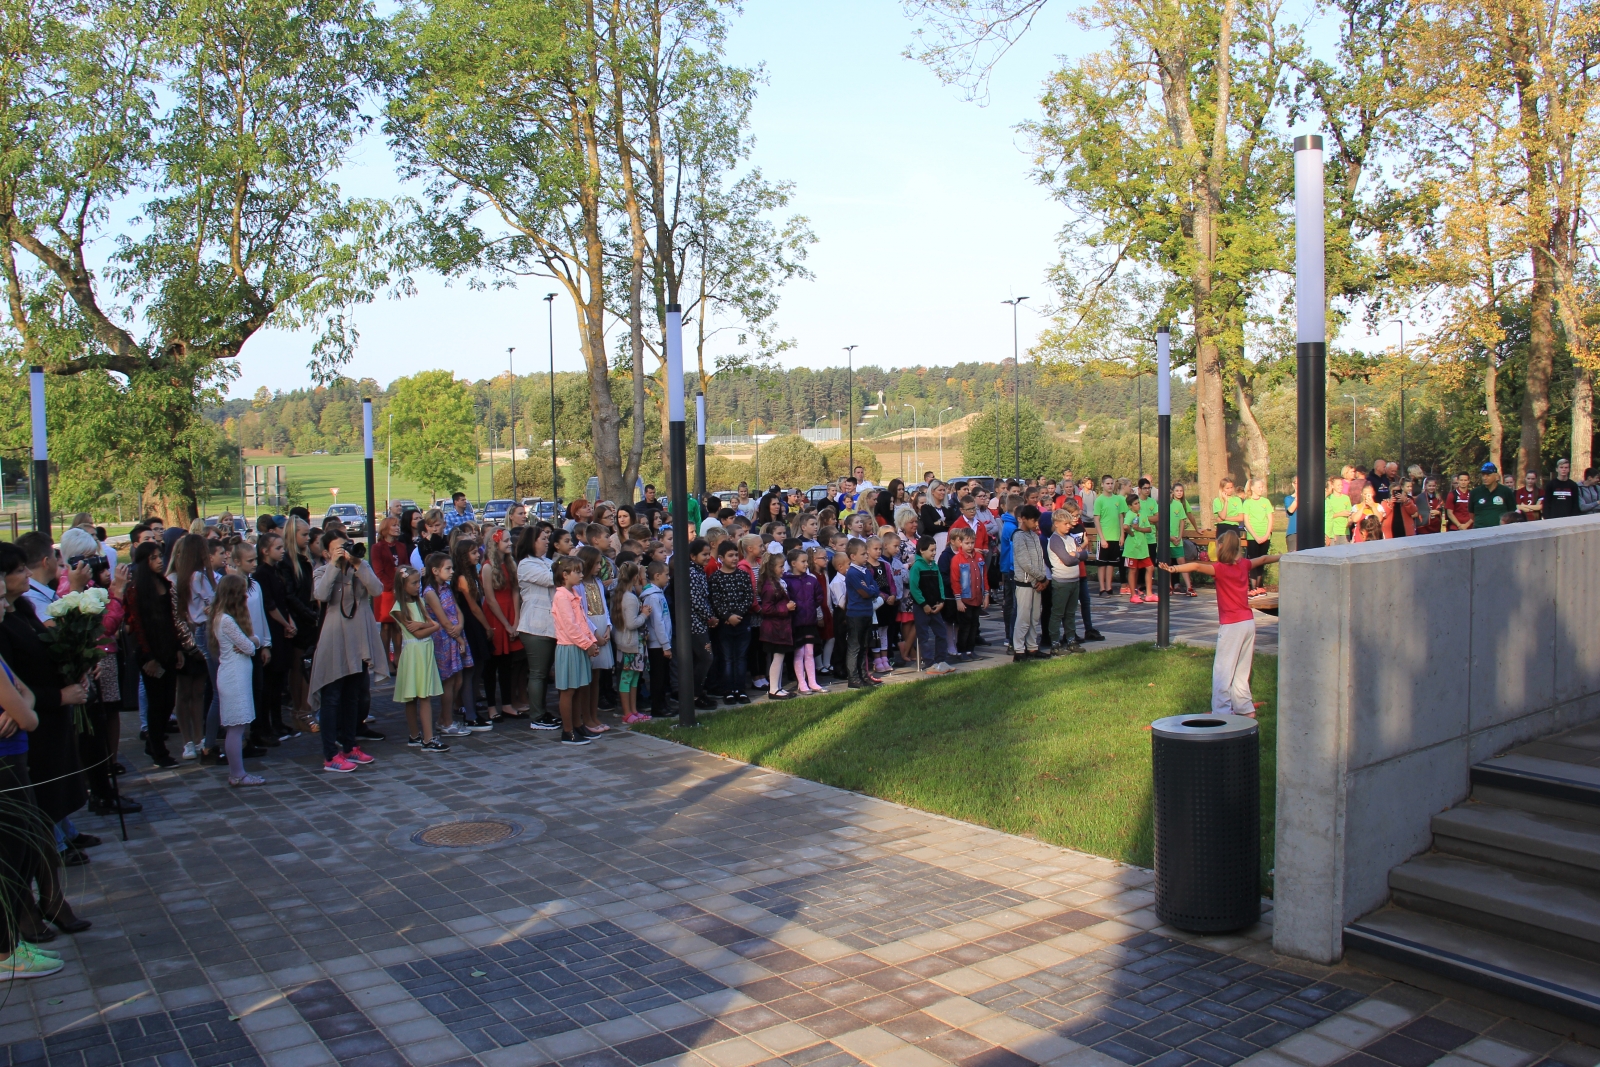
x=1435, y=517
x=1529, y=496
x=1233, y=592
x=1460, y=504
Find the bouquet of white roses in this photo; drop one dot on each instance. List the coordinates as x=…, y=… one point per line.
x=78, y=634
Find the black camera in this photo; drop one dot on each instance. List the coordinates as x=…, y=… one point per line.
x=98, y=564
x=357, y=549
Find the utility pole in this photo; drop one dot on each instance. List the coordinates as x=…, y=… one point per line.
x=850, y=403
x=1164, y=478
x=941, y=440
x=700, y=448
x=512, y=402
x=366, y=448
x=1016, y=383
x=678, y=479
x=550, y=307
x=41, y=452
x=1402, y=325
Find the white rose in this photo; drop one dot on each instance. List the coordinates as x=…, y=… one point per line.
x=59, y=608
x=94, y=601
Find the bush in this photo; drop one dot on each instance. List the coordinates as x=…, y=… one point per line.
x=791, y=461
x=724, y=473
x=531, y=481
x=837, y=458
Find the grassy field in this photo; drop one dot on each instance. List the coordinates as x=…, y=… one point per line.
x=1056, y=750
x=320, y=473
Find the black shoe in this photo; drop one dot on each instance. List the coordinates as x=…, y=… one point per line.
x=84, y=841
x=855, y=685
x=575, y=739
x=125, y=805
x=288, y=735
x=119, y=768
x=549, y=722
x=163, y=760
x=1018, y=657
x=74, y=857
x=250, y=752
x=670, y=714
x=1093, y=635
x=1038, y=653
x=742, y=697
x=266, y=741
x=364, y=733
x=706, y=703
x=144, y=735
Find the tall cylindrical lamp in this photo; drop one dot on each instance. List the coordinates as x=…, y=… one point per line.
x=41, y=452
x=700, y=448
x=1311, y=343
x=372, y=503
x=1164, y=477
x=678, y=478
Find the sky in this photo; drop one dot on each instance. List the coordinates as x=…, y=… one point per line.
x=923, y=205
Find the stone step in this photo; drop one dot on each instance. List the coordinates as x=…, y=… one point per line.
x=1393, y=939
x=1543, y=911
x=1534, y=783
x=1564, y=850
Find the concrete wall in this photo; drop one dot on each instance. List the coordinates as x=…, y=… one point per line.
x=1400, y=664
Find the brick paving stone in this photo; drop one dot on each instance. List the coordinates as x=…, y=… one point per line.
x=662, y=906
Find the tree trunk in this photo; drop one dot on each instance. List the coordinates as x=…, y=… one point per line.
x=1582, y=419
x=1257, y=455
x=1491, y=403
x=1541, y=236
x=1541, y=365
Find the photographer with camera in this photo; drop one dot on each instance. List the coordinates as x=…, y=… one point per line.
x=349, y=643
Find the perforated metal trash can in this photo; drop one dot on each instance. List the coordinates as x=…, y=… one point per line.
x=1207, y=785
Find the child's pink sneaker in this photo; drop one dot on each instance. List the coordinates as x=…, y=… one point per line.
x=1136, y=599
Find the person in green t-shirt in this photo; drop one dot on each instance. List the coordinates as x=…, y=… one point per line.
x=1258, y=516
x=1109, y=511
x=1182, y=512
x=1491, y=500
x=1136, y=549
x=1336, y=512
x=1229, y=507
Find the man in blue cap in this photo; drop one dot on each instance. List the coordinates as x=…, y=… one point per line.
x=1491, y=500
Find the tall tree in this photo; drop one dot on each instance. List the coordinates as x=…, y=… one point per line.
x=1166, y=146
x=222, y=123
x=433, y=425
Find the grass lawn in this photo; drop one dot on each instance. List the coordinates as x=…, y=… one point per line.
x=1054, y=750
x=320, y=473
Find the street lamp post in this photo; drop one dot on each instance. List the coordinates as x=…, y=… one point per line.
x=388, y=463
x=678, y=480
x=366, y=447
x=850, y=399
x=1016, y=385
x=550, y=307
x=1402, y=325
x=941, y=439
x=1164, y=480
x=511, y=387
x=1311, y=336
x=41, y=451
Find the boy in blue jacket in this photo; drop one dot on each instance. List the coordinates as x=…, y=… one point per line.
x=860, y=590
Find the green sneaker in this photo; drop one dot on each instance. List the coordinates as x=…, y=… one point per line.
x=29, y=946
x=24, y=964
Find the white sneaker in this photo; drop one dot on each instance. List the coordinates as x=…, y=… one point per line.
x=191, y=750
x=455, y=729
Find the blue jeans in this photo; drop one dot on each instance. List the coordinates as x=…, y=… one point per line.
x=734, y=644
x=930, y=637
x=339, y=714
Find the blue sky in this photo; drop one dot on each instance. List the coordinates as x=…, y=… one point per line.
x=923, y=204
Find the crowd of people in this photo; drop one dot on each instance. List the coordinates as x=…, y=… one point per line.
x=239, y=643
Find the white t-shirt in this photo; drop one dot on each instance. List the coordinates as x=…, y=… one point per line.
x=708, y=524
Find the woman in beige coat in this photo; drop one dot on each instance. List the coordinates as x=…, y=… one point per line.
x=347, y=645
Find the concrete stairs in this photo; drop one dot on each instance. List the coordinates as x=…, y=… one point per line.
x=1507, y=904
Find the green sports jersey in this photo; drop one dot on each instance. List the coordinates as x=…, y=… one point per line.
x=1109, y=508
x=1258, y=518
x=1489, y=504
x=1150, y=515
x=1337, y=516
x=1137, y=544
x=1178, y=512
x=1230, y=510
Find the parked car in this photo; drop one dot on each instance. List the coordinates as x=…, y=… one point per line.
x=406, y=505
x=496, y=510
x=817, y=494
x=982, y=479
x=546, y=510
x=354, y=517
x=240, y=527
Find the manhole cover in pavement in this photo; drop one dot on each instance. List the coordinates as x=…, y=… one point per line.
x=473, y=833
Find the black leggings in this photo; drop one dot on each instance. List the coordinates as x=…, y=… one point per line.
x=502, y=672
x=24, y=831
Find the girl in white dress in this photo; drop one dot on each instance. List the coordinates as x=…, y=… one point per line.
x=235, y=648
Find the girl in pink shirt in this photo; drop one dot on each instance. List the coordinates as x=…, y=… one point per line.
x=575, y=646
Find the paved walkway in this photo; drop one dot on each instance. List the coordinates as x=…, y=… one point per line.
x=637, y=902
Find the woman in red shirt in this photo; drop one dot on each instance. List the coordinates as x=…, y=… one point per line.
x=387, y=554
x=1530, y=498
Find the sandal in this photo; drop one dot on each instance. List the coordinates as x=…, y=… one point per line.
x=248, y=779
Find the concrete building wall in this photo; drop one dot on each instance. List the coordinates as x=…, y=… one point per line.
x=1402, y=663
